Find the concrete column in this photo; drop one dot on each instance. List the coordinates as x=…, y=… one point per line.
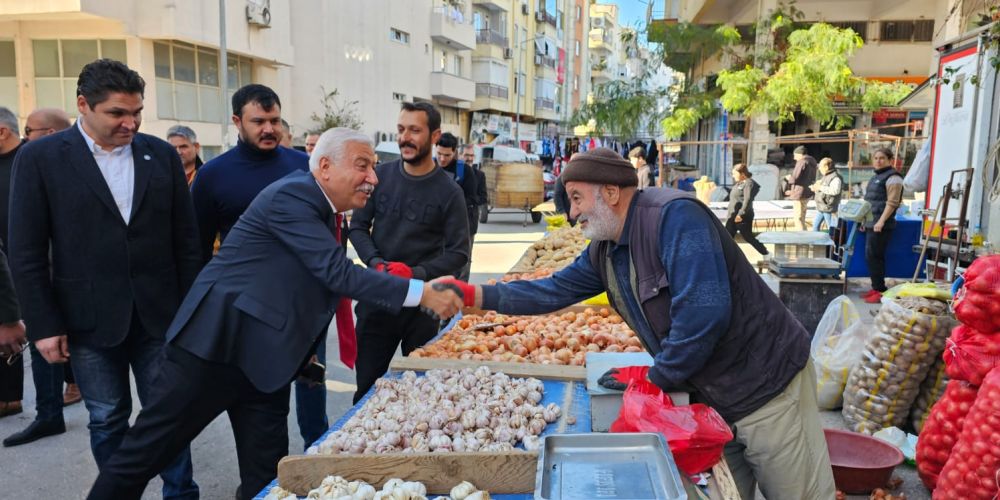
x=759, y=135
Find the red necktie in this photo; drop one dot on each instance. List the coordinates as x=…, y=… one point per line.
x=345, y=318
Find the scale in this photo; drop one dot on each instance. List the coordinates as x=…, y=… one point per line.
x=857, y=211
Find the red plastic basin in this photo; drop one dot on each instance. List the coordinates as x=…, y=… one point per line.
x=860, y=463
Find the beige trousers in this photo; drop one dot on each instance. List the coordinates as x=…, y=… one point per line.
x=781, y=447
x=800, y=214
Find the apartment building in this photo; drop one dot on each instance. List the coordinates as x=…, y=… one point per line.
x=899, y=39
x=174, y=46
x=604, y=42
x=578, y=48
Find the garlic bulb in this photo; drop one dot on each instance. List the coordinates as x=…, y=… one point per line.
x=414, y=413
x=462, y=490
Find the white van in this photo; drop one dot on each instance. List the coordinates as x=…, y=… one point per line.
x=387, y=151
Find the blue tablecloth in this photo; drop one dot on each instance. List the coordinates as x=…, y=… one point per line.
x=555, y=392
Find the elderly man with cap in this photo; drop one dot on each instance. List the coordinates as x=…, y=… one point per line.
x=799, y=182
x=712, y=325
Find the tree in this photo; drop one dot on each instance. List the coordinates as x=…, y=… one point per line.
x=623, y=108
x=335, y=114
x=803, y=69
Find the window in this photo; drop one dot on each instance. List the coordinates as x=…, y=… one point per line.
x=399, y=36
x=859, y=27
x=188, y=81
x=576, y=83
x=923, y=30
x=396, y=96
x=579, y=14
x=456, y=65
x=8, y=76
x=576, y=48
x=58, y=64
x=895, y=31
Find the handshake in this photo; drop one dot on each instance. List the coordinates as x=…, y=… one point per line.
x=441, y=298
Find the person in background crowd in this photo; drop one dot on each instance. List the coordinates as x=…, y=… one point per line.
x=828, y=191
x=48, y=377
x=739, y=216
x=799, y=181
x=12, y=337
x=464, y=174
x=414, y=226
x=311, y=140
x=45, y=121
x=188, y=148
x=224, y=189
x=11, y=374
x=252, y=319
x=885, y=193
x=286, y=134
x=482, y=196
x=710, y=322
x=637, y=156
x=103, y=252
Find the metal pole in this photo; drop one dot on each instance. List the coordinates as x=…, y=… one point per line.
x=224, y=74
x=517, y=94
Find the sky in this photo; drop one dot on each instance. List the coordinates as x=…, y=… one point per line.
x=632, y=11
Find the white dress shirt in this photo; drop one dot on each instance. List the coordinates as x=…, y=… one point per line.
x=118, y=169
x=416, y=289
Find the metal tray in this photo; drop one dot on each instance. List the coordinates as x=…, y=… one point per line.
x=635, y=466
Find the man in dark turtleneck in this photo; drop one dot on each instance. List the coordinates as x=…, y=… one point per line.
x=227, y=184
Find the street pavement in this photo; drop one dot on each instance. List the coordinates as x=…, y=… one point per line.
x=61, y=467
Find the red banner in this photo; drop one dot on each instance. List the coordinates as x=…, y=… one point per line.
x=561, y=69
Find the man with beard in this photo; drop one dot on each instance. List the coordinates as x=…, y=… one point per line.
x=223, y=190
x=414, y=225
x=712, y=325
x=447, y=159
x=253, y=316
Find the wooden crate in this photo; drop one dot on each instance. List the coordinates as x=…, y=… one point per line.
x=514, y=185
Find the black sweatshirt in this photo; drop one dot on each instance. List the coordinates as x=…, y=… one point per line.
x=419, y=221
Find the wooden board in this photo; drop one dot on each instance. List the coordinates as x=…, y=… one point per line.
x=547, y=372
x=505, y=472
x=722, y=486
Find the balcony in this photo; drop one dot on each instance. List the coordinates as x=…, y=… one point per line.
x=491, y=90
x=452, y=27
x=452, y=87
x=546, y=17
x=545, y=61
x=597, y=41
x=542, y=103
x=599, y=74
x=495, y=5
x=490, y=37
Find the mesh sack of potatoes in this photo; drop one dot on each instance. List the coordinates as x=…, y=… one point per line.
x=932, y=389
x=908, y=337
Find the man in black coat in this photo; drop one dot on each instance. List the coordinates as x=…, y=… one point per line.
x=113, y=209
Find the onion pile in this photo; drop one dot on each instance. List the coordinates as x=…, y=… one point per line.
x=445, y=410
x=554, y=339
x=528, y=276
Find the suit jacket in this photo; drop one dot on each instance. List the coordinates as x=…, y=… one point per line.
x=101, y=269
x=263, y=301
x=9, y=309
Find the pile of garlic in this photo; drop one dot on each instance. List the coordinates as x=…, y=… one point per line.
x=445, y=410
x=338, y=488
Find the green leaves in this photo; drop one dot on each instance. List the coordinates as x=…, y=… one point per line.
x=335, y=114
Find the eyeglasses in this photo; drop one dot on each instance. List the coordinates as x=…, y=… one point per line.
x=13, y=357
x=29, y=130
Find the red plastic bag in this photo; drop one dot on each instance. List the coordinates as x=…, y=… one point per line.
x=973, y=469
x=941, y=430
x=977, y=303
x=969, y=355
x=696, y=433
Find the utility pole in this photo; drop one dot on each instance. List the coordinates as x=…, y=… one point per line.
x=224, y=74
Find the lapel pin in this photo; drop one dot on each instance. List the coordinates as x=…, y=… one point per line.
x=146, y=157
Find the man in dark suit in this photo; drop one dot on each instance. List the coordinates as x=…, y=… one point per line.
x=254, y=315
x=114, y=208
x=12, y=337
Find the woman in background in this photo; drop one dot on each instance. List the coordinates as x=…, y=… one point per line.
x=739, y=217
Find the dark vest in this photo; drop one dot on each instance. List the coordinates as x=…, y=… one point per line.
x=829, y=202
x=877, y=195
x=764, y=347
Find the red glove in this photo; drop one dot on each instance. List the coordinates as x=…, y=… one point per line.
x=399, y=269
x=378, y=265
x=468, y=291
x=629, y=373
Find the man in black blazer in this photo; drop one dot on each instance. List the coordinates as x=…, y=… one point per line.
x=114, y=208
x=254, y=315
x=12, y=337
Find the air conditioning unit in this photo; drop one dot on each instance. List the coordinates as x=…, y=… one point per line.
x=538, y=60
x=524, y=9
x=259, y=13
x=540, y=16
x=508, y=53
